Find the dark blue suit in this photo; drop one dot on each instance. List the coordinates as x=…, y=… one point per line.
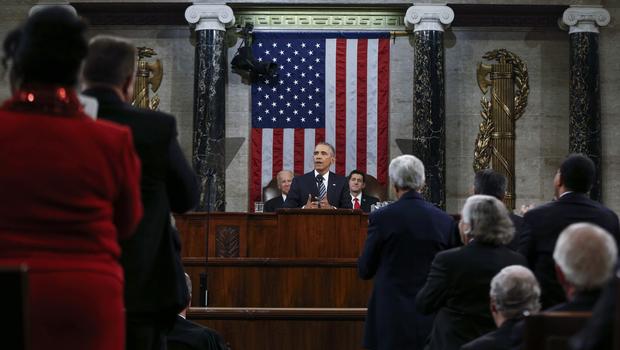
x=457, y=289
x=305, y=185
x=542, y=227
x=403, y=239
x=273, y=204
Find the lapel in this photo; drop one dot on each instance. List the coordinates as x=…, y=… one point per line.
x=331, y=186
x=312, y=185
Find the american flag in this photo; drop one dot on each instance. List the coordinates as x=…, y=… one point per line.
x=331, y=87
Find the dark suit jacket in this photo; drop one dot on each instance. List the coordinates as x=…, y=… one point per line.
x=305, y=185
x=187, y=335
x=403, y=238
x=154, y=280
x=367, y=201
x=582, y=301
x=273, y=204
x=499, y=339
x=541, y=229
x=457, y=289
x=598, y=333
x=517, y=221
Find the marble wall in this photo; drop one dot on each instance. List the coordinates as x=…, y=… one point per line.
x=542, y=132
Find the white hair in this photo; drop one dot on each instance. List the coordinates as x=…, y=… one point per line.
x=515, y=291
x=407, y=171
x=488, y=220
x=586, y=254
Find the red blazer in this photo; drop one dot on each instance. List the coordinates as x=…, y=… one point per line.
x=69, y=189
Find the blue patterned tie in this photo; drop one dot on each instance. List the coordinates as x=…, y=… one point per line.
x=322, y=189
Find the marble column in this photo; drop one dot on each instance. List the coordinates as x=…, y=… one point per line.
x=429, y=124
x=584, y=94
x=208, y=153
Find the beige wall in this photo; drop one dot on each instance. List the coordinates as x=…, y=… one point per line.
x=542, y=133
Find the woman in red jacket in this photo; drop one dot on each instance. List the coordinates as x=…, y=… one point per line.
x=69, y=190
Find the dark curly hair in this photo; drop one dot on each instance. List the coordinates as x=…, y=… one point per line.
x=48, y=48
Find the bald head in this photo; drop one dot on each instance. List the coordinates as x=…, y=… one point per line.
x=585, y=254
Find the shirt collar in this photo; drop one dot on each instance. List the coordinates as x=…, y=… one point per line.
x=325, y=177
x=283, y=197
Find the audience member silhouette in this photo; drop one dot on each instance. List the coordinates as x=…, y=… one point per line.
x=542, y=225
x=187, y=335
x=585, y=256
x=155, y=289
x=492, y=183
x=515, y=293
x=458, y=282
x=69, y=187
x=403, y=238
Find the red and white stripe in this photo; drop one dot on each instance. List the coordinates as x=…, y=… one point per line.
x=356, y=119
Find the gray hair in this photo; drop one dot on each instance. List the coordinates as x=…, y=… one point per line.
x=282, y=172
x=407, y=171
x=586, y=254
x=488, y=220
x=515, y=291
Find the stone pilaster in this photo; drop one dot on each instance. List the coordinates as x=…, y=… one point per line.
x=584, y=94
x=208, y=155
x=429, y=124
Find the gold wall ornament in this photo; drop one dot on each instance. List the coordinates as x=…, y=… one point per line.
x=509, y=87
x=148, y=73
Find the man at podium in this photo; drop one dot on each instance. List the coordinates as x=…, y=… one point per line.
x=320, y=188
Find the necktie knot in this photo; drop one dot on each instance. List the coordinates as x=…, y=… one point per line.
x=356, y=203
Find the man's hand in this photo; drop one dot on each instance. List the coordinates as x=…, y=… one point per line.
x=310, y=204
x=324, y=204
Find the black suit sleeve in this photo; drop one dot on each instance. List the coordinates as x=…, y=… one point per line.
x=293, y=199
x=368, y=262
x=181, y=182
x=434, y=294
x=526, y=241
x=345, y=197
x=271, y=205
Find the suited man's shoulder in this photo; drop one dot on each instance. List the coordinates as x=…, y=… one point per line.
x=485, y=342
x=369, y=199
x=188, y=332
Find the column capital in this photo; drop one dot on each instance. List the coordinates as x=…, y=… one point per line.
x=429, y=17
x=210, y=17
x=585, y=18
x=43, y=5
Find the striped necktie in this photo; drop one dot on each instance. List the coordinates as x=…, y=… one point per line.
x=322, y=189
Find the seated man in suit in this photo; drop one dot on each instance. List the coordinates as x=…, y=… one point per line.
x=514, y=294
x=360, y=200
x=187, y=335
x=585, y=256
x=542, y=225
x=319, y=188
x=492, y=183
x=284, y=179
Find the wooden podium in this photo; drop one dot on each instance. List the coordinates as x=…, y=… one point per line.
x=279, y=281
